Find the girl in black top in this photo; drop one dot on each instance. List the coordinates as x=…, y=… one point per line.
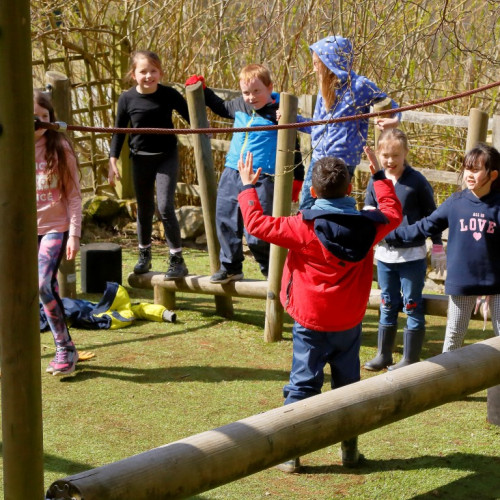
x=154, y=156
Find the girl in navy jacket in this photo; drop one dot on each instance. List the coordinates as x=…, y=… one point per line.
x=401, y=267
x=473, y=218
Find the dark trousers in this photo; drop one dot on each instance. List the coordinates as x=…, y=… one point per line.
x=146, y=171
x=229, y=221
x=312, y=350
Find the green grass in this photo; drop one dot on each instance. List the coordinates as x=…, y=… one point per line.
x=154, y=383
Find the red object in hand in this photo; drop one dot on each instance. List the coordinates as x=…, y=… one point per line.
x=195, y=79
x=296, y=188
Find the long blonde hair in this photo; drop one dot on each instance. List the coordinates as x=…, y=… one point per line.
x=328, y=82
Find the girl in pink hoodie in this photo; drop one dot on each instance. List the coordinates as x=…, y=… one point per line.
x=59, y=215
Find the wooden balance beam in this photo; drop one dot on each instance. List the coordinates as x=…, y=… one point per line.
x=434, y=305
x=204, y=461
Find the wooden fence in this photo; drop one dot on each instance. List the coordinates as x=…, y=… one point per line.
x=93, y=104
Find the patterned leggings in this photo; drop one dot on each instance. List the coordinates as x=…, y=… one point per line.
x=51, y=248
x=460, y=309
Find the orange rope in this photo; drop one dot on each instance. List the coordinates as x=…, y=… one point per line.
x=187, y=131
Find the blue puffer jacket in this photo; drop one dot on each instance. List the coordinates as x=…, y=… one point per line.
x=354, y=97
x=262, y=144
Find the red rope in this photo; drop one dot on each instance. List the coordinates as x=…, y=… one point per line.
x=187, y=131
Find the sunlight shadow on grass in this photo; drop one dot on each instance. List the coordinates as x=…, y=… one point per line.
x=176, y=374
x=141, y=337
x=481, y=483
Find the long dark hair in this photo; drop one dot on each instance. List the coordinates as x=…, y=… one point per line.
x=57, y=147
x=488, y=156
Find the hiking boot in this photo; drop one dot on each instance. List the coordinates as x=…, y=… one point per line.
x=177, y=268
x=222, y=276
x=144, y=263
x=64, y=361
x=290, y=467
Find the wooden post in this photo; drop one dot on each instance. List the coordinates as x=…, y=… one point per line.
x=495, y=132
x=358, y=186
x=124, y=188
x=60, y=89
x=307, y=103
x=281, y=207
x=208, y=185
x=204, y=461
x=22, y=444
x=478, y=128
x=380, y=106
x=493, y=394
x=163, y=296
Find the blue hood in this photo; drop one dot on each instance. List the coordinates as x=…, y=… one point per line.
x=336, y=54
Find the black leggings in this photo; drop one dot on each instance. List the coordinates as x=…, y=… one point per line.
x=162, y=169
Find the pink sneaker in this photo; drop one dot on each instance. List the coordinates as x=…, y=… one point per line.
x=64, y=361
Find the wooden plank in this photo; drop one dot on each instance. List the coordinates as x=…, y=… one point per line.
x=439, y=119
x=431, y=175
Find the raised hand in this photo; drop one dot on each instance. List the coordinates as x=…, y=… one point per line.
x=372, y=158
x=248, y=176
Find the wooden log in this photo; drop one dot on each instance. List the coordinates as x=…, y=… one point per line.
x=60, y=88
x=124, y=188
x=478, y=128
x=207, y=186
x=495, y=132
x=434, y=305
x=207, y=460
x=22, y=447
x=252, y=289
x=273, y=328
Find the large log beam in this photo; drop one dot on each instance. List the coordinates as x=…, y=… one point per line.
x=210, y=459
x=435, y=305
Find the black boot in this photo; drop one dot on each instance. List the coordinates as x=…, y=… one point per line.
x=413, y=341
x=351, y=457
x=144, y=263
x=386, y=338
x=177, y=267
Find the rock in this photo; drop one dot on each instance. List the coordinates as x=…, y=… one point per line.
x=191, y=222
x=102, y=207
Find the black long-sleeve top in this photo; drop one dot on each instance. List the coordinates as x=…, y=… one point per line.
x=148, y=111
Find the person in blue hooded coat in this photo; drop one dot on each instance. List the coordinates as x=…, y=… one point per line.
x=342, y=93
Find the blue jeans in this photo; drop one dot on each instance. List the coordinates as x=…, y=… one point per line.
x=306, y=200
x=401, y=287
x=312, y=350
x=229, y=221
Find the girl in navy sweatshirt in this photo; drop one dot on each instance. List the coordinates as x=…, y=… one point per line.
x=473, y=218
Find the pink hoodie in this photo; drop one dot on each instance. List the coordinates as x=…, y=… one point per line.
x=57, y=215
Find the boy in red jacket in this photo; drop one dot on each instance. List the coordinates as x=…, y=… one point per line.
x=327, y=275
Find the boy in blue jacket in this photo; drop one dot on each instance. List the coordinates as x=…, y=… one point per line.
x=256, y=106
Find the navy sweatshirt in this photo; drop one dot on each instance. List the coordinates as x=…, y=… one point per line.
x=473, y=263
x=415, y=194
